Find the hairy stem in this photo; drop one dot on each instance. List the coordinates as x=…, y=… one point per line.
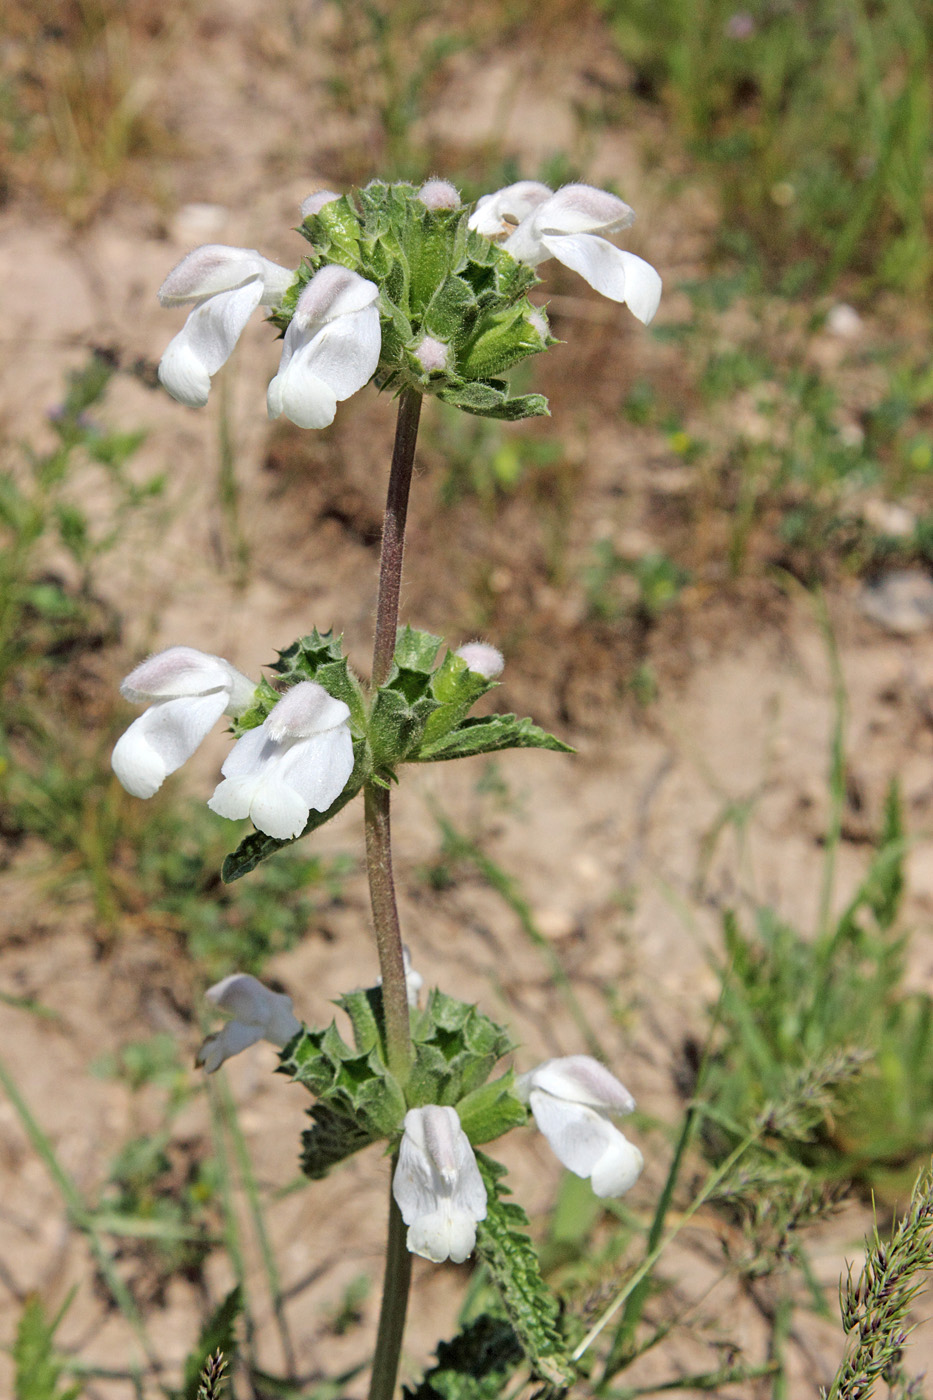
x=382, y=886
x=394, y=1306
x=393, y=533
x=388, y=933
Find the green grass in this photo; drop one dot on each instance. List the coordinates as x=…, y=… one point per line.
x=822, y=163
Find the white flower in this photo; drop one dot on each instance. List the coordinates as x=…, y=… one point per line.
x=226, y=285
x=331, y=348
x=504, y=210
x=259, y=1014
x=299, y=759
x=571, y=1099
x=189, y=691
x=486, y=660
x=437, y=1185
x=540, y=224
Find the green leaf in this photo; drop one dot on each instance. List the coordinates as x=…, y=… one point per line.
x=415, y=651
x=521, y=406
x=489, y=735
x=218, y=1332
x=364, y=1009
x=334, y=233
x=352, y=1083
x=331, y=1140
x=257, y=847
x=491, y=1110
x=265, y=699
x=457, y=689
x=452, y=308
x=36, y=1368
x=490, y=399
x=455, y=1049
x=397, y=724
x=319, y=657
x=475, y=1365
x=502, y=339
x=510, y=1257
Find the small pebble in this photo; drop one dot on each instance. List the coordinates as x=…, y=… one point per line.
x=844, y=321
x=901, y=602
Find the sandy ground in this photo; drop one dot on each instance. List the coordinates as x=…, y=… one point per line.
x=610, y=846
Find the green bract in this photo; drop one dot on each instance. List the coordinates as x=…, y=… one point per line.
x=358, y=1101
x=420, y=715
x=437, y=279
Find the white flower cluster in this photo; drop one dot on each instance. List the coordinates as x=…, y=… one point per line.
x=333, y=342
x=299, y=760
x=437, y=1184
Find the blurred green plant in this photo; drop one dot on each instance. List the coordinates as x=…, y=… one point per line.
x=173, y=871
x=77, y=99
x=38, y=1369
x=386, y=60
x=483, y=459
x=161, y=1194
x=787, y=1000
x=790, y=463
x=349, y=1311
x=55, y=778
x=823, y=167
x=658, y=583
x=49, y=619
x=41, y=616
x=164, y=1208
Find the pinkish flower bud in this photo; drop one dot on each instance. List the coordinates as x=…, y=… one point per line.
x=482, y=658
x=433, y=354
x=439, y=194
x=741, y=25
x=314, y=203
